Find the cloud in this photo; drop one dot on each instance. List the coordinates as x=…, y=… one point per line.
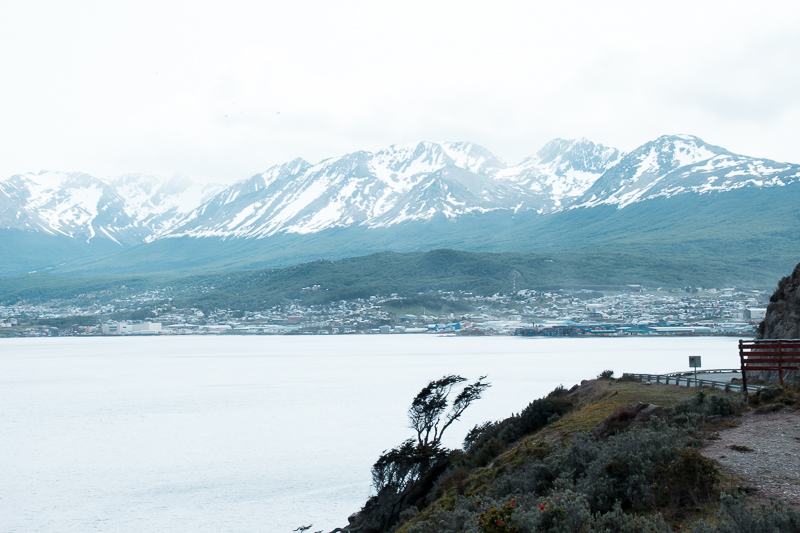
x=221, y=91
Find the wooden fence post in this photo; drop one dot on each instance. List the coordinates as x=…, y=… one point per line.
x=744, y=374
x=780, y=363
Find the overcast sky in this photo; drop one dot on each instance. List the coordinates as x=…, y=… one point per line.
x=219, y=91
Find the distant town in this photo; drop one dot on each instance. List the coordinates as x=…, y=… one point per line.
x=635, y=311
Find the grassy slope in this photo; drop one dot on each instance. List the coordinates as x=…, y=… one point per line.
x=612, y=396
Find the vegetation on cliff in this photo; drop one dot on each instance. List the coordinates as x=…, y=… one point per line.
x=608, y=455
x=782, y=320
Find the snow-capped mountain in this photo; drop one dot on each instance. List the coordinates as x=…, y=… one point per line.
x=74, y=205
x=79, y=206
x=407, y=182
x=561, y=171
x=417, y=182
x=451, y=194
x=159, y=204
x=401, y=183
x=680, y=164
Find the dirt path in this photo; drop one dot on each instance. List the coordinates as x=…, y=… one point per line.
x=773, y=465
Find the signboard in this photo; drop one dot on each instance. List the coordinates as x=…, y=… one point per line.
x=694, y=361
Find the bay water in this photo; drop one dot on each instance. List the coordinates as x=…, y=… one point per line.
x=254, y=433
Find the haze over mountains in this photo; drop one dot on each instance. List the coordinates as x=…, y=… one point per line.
x=571, y=195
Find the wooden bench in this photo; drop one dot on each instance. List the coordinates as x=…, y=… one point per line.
x=772, y=354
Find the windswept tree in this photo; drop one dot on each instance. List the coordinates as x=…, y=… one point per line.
x=429, y=414
x=400, y=471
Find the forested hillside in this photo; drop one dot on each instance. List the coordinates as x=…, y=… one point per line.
x=386, y=273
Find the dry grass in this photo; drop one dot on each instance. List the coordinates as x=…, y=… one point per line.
x=616, y=395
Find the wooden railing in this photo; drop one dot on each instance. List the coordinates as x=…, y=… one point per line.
x=773, y=355
x=688, y=380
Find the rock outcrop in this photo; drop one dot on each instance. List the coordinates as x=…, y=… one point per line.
x=782, y=320
x=624, y=417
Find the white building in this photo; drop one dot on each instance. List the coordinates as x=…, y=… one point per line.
x=755, y=314
x=116, y=328
x=123, y=328
x=147, y=327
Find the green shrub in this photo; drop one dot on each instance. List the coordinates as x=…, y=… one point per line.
x=711, y=404
x=495, y=520
x=486, y=441
x=737, y=517
x=589, y=485
x=622, y=469
x=569, y=511
x=687, y=481
x=778, y=295
x=606, y=374
x=439, y=520
x=769, y=393
x=489, y=450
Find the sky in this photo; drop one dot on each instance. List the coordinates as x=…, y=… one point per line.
x=220, y=91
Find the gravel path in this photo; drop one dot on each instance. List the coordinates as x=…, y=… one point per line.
x=773, y=465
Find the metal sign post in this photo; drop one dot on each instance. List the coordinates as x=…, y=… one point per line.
x=694, y=362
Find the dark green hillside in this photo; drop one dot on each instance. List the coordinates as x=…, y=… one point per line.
x=41, y=287
x=210, y=254
x=746, y=237
x=386, y=273
x=745, y=226
x=22, y=252
x=743, y=238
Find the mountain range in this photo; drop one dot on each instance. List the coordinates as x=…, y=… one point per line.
x=674, y=195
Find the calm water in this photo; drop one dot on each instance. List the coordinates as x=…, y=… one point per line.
x=245, y=434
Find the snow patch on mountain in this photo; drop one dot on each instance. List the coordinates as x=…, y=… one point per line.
x=680, y=164
x=363, y=188
x=131, y=208
x=57, y=202
x=403, y=183
x=561, y=171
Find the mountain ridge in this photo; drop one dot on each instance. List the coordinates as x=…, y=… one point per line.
x=406, y=197
x=403, y=182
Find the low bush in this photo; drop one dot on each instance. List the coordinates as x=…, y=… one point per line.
x=687, y=481
x=633, y=481
x=774, y=397
x=623, y=469
x=486, y=441
x=569, y=511
x=769, y=393
x=561, y=512
x=495, y=520
x=735, y=516
x=711, y=404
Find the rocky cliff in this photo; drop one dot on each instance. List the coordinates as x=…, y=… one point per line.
x=782, y=320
